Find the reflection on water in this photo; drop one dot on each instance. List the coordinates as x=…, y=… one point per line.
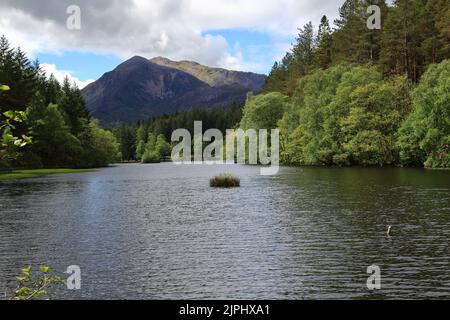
x=160, y=232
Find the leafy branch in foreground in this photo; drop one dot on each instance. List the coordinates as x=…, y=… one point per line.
x=8, y=142
x=29, y=287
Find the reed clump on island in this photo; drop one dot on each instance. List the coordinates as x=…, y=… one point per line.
x=225, y=180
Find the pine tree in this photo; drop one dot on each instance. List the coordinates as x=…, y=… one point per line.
x=324, y=43
x=440, y=10
x=408, y=42
x=354, y=42
x=73, y=107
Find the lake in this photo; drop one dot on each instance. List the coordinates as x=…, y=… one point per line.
x=160, y=232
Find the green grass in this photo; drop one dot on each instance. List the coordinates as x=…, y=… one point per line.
x=26, y=174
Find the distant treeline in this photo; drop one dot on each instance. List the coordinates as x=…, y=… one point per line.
x=62, y=132
x=147, y=140
x=355, y=96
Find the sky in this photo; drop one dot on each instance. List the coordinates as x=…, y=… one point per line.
x=244, y=35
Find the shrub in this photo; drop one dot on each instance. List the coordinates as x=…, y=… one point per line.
x=151, y=157
x=225, y=180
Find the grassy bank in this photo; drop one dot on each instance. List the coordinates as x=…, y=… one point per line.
x=25, y=174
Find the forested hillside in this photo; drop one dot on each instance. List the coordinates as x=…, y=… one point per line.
x=355, y=96
x=54, y=115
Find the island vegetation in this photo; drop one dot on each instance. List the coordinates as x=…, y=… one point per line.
x=225, y=180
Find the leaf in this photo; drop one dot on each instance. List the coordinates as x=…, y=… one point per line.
x=27, y=139
x=17, y=116
x=8, y=138
x=26, y=271
x=4, y=88
x=44, y=269
x=9, y=114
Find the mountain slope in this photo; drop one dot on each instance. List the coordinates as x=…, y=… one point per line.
x=215, y=77
x=140, y=88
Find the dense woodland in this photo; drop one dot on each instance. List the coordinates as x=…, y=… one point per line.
x=44, y=123
x=355, y=96
x=147, y=141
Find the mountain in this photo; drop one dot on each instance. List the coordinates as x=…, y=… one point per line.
x=215, y=77
x=140, y=88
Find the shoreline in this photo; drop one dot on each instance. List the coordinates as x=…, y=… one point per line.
x=36, y=173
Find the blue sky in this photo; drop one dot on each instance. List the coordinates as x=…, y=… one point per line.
x=259, y=49
x=81, y=65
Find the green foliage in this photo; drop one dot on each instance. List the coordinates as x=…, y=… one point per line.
x=263, y=111
x=126, y=136
x=410, y=39
x=155, y=150
x=424, y=138
x=9, y=143
x=100, y=146
x=151, y=156
x=72, y=107
x=350, y=115
x=345, y=116
x=30, y=286
x=162, y=147
x=413, y=34
x=140, y=150
x=133, y=138
x=63, y=133
x=305, y=137
x=54, y=144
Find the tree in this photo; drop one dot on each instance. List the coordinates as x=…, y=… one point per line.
x=57, y=115
x=424, y=138
x=140, y=150
x=162, y=146
x=105, y=146
x=441, y=16
x=22, y=77
x=409, y=40
x=263, y=111
x=345, y=116
x=72, y=106
x=324, y=43
x=307, y=128
x=126, y=135
x=354, y=42
x=54, y=145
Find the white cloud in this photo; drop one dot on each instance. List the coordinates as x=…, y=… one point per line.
x=61, y=74
x=172, y=28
